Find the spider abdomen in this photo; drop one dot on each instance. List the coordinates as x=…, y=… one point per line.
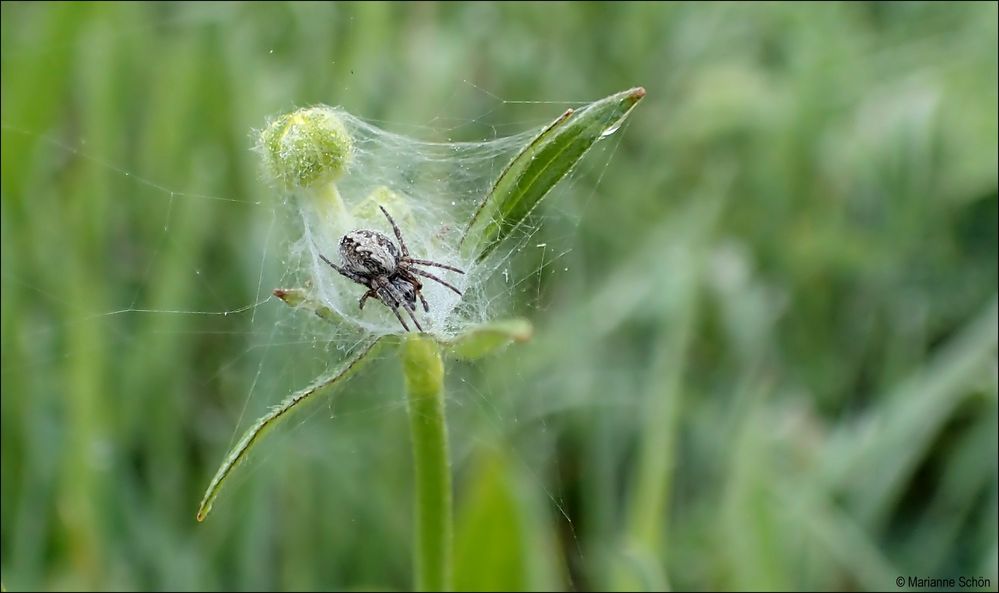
x=369, y=253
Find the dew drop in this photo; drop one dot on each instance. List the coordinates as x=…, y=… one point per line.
x=612, y=129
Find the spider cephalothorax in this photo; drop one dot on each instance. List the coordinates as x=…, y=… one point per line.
x=373, y=260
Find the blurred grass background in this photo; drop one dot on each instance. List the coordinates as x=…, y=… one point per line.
x=768, y=360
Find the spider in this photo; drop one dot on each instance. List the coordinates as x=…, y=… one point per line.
x=371, y=259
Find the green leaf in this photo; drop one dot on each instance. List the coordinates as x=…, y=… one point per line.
x=506, y=509
x=485, y=339
x=279, y=412
x=539, y=167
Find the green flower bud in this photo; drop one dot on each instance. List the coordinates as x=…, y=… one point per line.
x=306, y=148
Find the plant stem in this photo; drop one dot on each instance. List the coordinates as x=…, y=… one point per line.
x=332, y=212
x=424, y=373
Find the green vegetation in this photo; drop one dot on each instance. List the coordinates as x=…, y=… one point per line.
x=764, y=313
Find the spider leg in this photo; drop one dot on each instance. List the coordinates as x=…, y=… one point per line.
x=413, y=317
x=344, y=271
x=426, y=262
x=371, y=293
x=432, y=277
x=399, y=317
x=398, y=233
x=383, y=291
x=398, y=298
x=419, y=287
x=426, y=305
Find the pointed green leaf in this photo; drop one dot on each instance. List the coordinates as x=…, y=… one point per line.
x=279, y=412
x=504, y=538
x=539, y=166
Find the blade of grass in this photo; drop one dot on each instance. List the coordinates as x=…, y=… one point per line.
x=266, y=422
x=837, y=532
x=539, y=167
x=874, y=458
x=652, y=485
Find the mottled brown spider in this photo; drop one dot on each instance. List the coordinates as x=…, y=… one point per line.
x=371, y=259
